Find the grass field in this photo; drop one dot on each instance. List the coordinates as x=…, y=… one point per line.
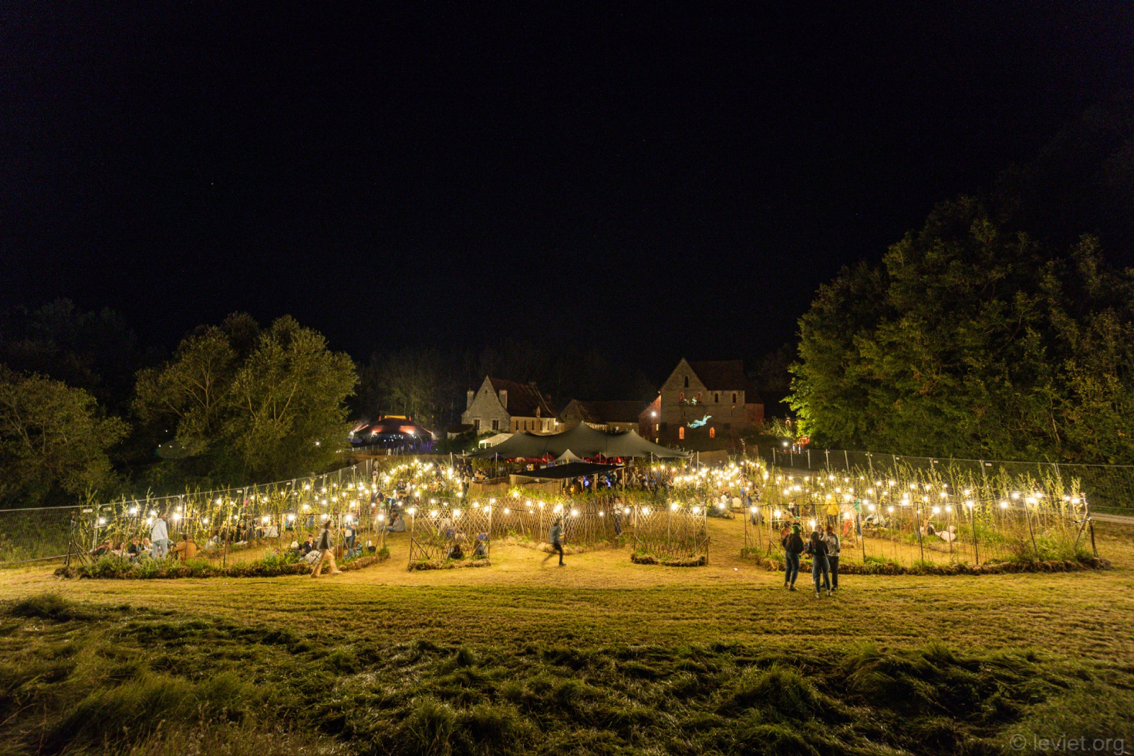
x=601, y=656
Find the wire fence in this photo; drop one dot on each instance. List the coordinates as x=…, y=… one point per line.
x=1110, y=487
x=283, y=511
x=903, y=510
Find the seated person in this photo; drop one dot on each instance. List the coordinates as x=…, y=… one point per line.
x=308, y=546
x=948, y=535
x=101, y=549
x=397, y=524
x=455, y=552
x=481, y=550
x=185, y=549
x=134, y=549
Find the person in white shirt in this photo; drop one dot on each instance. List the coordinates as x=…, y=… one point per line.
x=159, y=535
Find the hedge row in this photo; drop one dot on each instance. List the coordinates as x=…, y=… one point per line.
x=447, y=564
x=875, y=566
x=161, y=570
x=698, y=561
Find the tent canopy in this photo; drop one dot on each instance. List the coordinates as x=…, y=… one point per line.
x=572, y=470
x=582, y=440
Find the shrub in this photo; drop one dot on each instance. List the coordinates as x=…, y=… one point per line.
x=49, y=606
x=428, y=729
x=492, y=729
x=779, y=691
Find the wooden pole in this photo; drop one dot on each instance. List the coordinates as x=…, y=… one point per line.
x=1035, y=549
x=917, y=515
x=976, y=550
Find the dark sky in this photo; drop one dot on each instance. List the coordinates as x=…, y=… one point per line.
x=674, y=184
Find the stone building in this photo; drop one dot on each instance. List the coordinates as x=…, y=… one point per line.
x=604, y=416
x=501, y=405
x=703, y=399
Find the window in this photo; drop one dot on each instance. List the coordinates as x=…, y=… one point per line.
x=734, y=397
x=495, y=425
x=712, y=432
x=717, y=398
x=657, y=427
x=681, y=433
x=686, y=381
x=476, y=424
x=681, y=397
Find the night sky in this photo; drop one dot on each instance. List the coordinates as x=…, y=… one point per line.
x=666, y=185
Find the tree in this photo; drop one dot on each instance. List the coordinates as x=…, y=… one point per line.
x=54, y=441
x=248, y=404
x=969, y=341
x=94, y=351
x=418, y=382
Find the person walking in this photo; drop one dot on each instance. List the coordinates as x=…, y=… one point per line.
x=793, y=547
x=555, y=538
x=817, y=548
x=834, y=545
x=326, y=547
x=159, y=537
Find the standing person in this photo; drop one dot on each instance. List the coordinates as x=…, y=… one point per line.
x=832, y=514
x=834, y=546
x=817, y=548
x=326, y=546
x=555, y=537
x=348, y=539
x=793, y=547
x=159, y=536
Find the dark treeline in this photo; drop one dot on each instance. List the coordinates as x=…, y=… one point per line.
x=1003, y=328
x=85, y=410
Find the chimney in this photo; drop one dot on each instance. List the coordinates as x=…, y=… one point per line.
x=504, y=397
x=471, y=394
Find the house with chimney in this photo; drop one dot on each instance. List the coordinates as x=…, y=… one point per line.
x=604, y=416
x=508, y=406
x=703, y=399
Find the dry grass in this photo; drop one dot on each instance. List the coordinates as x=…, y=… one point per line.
x=600, y=597
x=600, y=657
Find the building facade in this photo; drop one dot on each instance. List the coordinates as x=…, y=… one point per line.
x=507, y=406
x=603, y=416
x=703, y=399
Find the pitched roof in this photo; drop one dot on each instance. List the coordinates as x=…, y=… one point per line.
x=602, y=413
x=523, y=398
x=725, y=375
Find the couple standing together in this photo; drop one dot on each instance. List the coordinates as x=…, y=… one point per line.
x=824, y=551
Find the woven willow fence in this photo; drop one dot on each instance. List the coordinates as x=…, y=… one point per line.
x=441, y=534
x=937, y=513
x=1110, y=487
x=282, y=511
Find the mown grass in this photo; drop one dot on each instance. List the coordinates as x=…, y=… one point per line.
x=79, y=679
x=602, y=657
